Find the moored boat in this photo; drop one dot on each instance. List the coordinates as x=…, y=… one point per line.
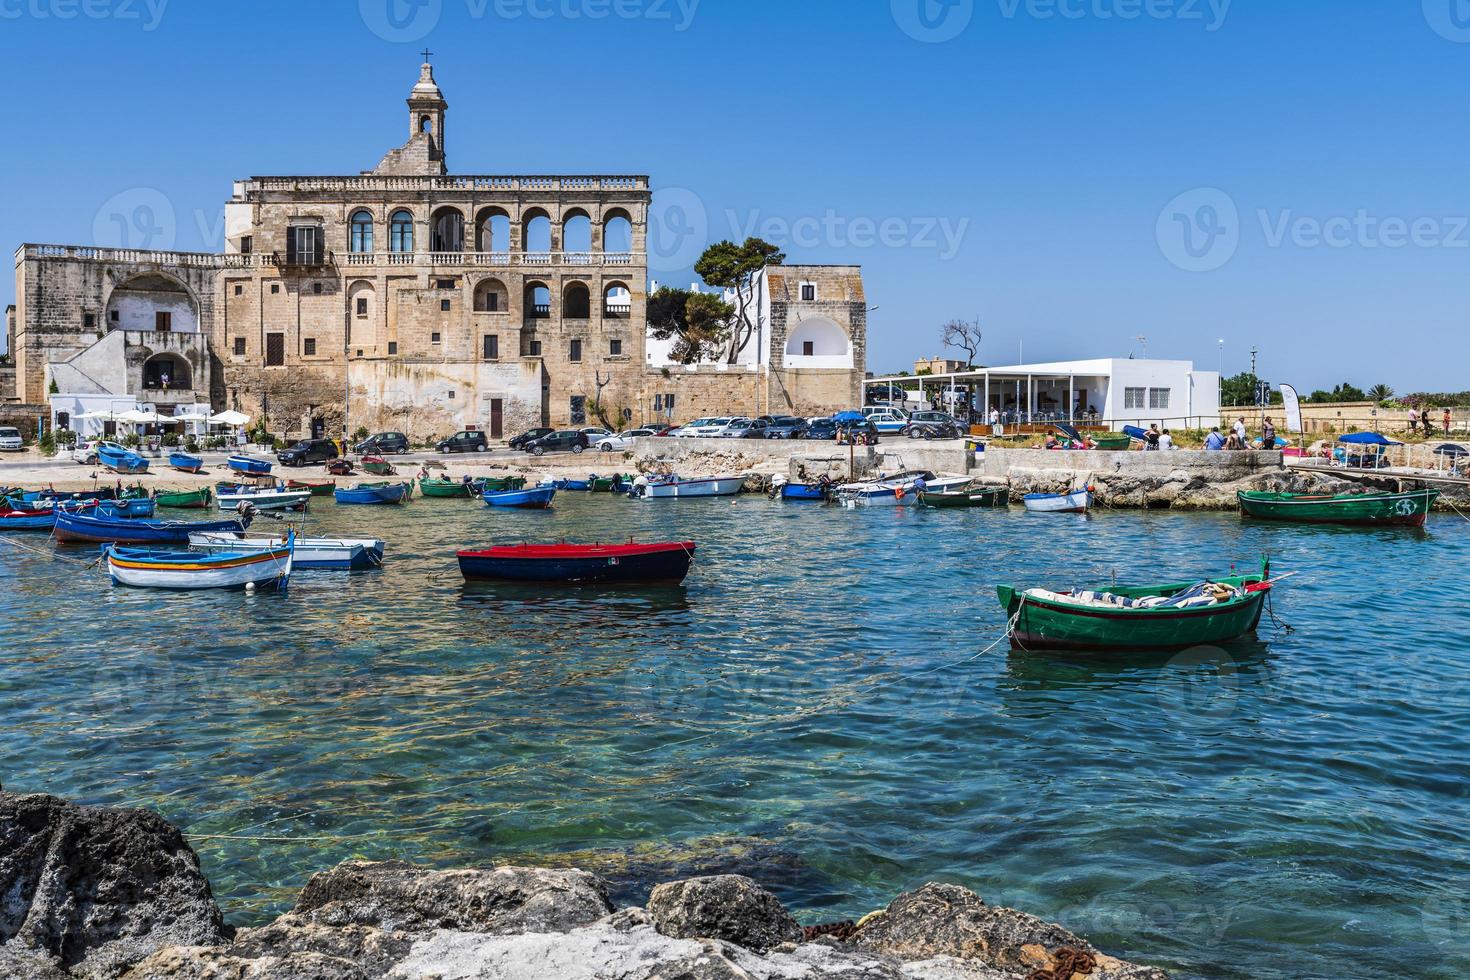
x=249, y=465
x=675, y=487
x=334, y=553
x=895, y=489
x=374, y=493
x=184, y=499
x=532, y=498
x=805, y=491
x=186, y=462
x=431, y=487
x=129, y=507
x=1076, y=502
x=317, y=488
x=230, y=496
x=378, y=466
x=98, y=529
x=1408, y=509
x=1113, y=442
x=495, y=483
x=27, y=520
x=156, y=569
x=966, y=497
x=120, y=460
x=1157, y=617
x=581, y=563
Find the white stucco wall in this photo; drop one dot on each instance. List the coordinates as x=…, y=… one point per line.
x=136, y=309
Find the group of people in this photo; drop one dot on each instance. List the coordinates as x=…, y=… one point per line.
x=1239, y=437
x=1418, y=418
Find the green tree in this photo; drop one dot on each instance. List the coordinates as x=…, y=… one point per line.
x=726, y=265
x=1239, y=390
x=699, y=323
x=1380, y=393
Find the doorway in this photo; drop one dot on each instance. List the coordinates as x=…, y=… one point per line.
x=497, y=417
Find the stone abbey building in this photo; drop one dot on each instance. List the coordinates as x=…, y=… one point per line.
x=408, y=298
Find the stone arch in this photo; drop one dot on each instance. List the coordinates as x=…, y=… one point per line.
x=400, y=231
x=576, y=232
x=491, y=296
x=492, y=230
x=818, y=337
x=167, y=372
x=536, y=230
x=360, y=231
x=134, y=303
x=537, y=300
x=617, y=300
x=446, y=230
x=576, y=301
x=617, y=230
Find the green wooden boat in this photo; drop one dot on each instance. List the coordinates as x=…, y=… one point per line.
x=1113, y=443
x=377, y=466
x=498, y=483
x=1407, y=509
x=1061, y=621
x=968, y=497
x=316, y=489
x=191, y=499
x=432, y=487
x=606, y=483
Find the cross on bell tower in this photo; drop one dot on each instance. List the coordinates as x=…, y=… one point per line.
x=426, y=108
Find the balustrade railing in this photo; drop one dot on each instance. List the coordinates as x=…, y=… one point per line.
x=249, y=260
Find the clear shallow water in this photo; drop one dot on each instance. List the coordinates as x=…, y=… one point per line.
x=814, y=708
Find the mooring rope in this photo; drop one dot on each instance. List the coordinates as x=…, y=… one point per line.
x=50, y=554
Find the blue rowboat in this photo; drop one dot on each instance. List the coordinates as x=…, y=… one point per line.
x=570, y=484
x=535, y=498
x=373, y=493
x=140, y=507
x=155, y=569
x=27, y=520
x=131, y=530
x=580, y=563
x=120, y=460
x=185, y=462
x=1077, y=502
x=249, y=465
x=805, y=491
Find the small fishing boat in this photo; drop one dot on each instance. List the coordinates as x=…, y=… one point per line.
x=27, y=520
x=99, y=529
x=675, y=487
x=966, y=497
x=132, y=507
x=249, y=465
x=341, y=466
x=96, y=493
x=581, y=563
x=232, y=495
x=378, y=466
x=1113, y=443
x=186, y=462
x=602, y=484
x=431, y=487
x=154, y=569
x=570, y=484
x=333, y=553
x=374, y=493
x=533, y=498
x=1407, y=509
x=320, y=488
x=495, y=483
x=1154, y=617
x=899, y=488
x=806, y=491
x=120, y=460
x=1076, y=502
x=184, y=499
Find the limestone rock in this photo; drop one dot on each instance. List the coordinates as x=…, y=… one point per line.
x=728, y=907
x=396, y=896
x=98, y=888
x=16, y=962
x=203, y=963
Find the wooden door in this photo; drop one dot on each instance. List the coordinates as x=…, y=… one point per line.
x=497, y=417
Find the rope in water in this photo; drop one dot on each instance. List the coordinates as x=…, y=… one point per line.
x=50, y=554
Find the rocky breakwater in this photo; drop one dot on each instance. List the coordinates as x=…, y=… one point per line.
x=117, y=894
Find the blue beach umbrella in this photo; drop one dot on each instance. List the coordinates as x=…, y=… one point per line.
x=1368, y=439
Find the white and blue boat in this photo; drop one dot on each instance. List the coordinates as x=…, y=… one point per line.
x=374, y=493
x=1076, y=502
x=120, y=459
x=231, y=495
x=897, y=489
x=157, y=569
x=98, y=529
x=250, y=465
x=534, y=498
x=334, y=553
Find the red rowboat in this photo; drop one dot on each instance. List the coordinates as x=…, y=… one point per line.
x=604, y=563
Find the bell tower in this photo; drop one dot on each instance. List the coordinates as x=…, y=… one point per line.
x=426, y=108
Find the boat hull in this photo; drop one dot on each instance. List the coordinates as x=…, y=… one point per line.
x=315, y=489
x=184, y=499
x=27, y=520
x=536, y=498
x=122, y=462
x=250, y=466
x=132, y=507
x=343, y=554
x=1373, y=509
x=580, y=564
x=444, y=488
x=715, y=486
x=269, y=500
x=799, y=491
x=142, y=568
x=1063, y=503
x=387, y=493
x=86, y=529
x=988, y=497
x=186, y=463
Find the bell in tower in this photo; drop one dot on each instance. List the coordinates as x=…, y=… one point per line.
x=423, y=154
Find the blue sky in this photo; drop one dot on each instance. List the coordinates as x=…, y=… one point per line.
x=1076, y=173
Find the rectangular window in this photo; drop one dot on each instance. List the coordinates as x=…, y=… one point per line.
x=434, y=338
x=308, y=347
x=808, y=292
x=444, y=284
x=1158, y=398
x=535, y=348
x=658, y=403
x=362, y=306
x=275, y=287
x=303, y=245
x=316, y=288
x=492, y=347
x=492, y=303
x=444, y=305
x=239, y=290
x=89, y=321
x=575, y=352
x=1134, y=397
x=808, y=348
x=247, y=244
x=112, y=315
x=240, y=346
x=668, y=403
x=392, y=347
x=163, y=320
x=615, y=348
x=275, y=349
x=579, y=409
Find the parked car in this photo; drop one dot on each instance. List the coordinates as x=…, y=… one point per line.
x=693, y=428
x=10, y=439
x=308, y=451
x=559, y=441
x=820, y=429
x=890, y=421
x=658, y=428
x=529, y=436
x=715, y=428
x=745, y=429
x=927, y=416
x=786, y=427
x=595, y=432
x=464, y=442
x=863, y=433
x=885, y=409
x=623, y=440
x=382, y=444
x=85, y=452
x=932, y=430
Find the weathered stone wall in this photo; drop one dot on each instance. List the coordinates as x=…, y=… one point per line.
x=7, y=383
x=427, y=400
x=801, y=385
x=1219, y=467
x=703, y=393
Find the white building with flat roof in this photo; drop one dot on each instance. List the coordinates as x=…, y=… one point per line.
x=1113, y=391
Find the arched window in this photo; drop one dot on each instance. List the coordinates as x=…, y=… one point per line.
x=617, y=232
x=576, y=234
x=447, y=231
x=576, y=301
x=537, y=301
x=426, y=124
x=617, y=302
x=361, y=239
x=492, y=230
x=401, y=232
x=536, y=236
x=491, y=296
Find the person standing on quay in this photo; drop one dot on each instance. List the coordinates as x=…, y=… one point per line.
x=1448, y=419
x=1268, y=435
x=1240, y=431
x=1413, y=421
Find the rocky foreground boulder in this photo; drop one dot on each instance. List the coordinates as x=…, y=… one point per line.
x=93, y=892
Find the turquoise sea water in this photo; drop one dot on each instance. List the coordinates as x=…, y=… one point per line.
x=817, y=707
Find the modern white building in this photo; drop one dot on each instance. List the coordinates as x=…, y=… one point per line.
x=1114, y=391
